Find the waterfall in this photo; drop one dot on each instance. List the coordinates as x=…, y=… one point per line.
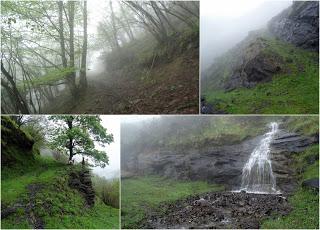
x=257, y=175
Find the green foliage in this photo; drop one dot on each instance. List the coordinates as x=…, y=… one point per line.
x=82, y=132
x=50, y=78
x=56, y=203
x=33, y=127
x=143, y=194
x=305, y=201
x=16, y=144
x=107, y=190
x=296, y=91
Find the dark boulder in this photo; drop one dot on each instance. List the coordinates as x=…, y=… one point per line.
x=311, y=183
x=298, y=24
x=81, y=181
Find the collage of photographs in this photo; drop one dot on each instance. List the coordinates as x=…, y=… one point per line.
x=159, y=114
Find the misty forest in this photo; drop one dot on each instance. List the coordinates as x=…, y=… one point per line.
x=47, y=173
x=220, y=172
x=274, y=69
x=99, y=57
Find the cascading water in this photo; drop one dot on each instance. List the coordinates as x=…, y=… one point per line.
x=257, y=175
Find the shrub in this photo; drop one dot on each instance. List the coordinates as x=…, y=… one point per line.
x=107, y=190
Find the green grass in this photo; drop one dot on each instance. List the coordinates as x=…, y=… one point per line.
x=107, y=190
x=303, y=125
x=305, y=201
x=14, y=180
x=142, y=194
x=287, y=93
x=58, y=205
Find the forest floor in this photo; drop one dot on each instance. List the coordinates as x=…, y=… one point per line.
x=167, y=88
x=39, y=197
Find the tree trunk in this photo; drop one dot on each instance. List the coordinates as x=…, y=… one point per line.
x=72, y=77
x=61, y=35
x=21, y=104
x=83, y=69
x=114, y=29
x=70, y=144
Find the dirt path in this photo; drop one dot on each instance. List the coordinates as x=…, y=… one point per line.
x=29, y=207
x=170, y=88
x=218, y=210
x=33, y=219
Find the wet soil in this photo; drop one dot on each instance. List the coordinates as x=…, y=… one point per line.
x=169, y=88
x=218, y=210
x=30, y=207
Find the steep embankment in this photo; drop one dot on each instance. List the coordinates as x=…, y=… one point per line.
x=272, y=70
x=143, y=77
x=39, y=192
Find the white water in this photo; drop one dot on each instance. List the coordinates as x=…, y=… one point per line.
x=257, y=174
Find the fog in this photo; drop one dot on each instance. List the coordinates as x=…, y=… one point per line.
x=225, y=23
x=112, y=170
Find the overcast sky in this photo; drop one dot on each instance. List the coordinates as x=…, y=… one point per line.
x=225, y=23
x=112, y=124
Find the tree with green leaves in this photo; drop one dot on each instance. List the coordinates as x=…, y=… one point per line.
x=78, y=135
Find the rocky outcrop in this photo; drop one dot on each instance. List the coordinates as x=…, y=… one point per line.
x=14, y=142
x=246, y=65
x=81, y=181
x=299, y=25
x=311, y=183
x=218, y=164
x=255, y=66
x=284, y=145
x=218, y=210
x=256, y=59
x=221, y=164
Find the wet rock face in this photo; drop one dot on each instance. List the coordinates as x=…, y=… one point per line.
x=218, y=164
x=218, y=210
x=298, y=25
x=282, y=147
x=222, y=164
x=82, y=182
x=254, y=65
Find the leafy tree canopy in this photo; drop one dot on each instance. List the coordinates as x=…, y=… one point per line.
x=76, y=134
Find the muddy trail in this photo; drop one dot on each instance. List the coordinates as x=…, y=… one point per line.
x=29, y=207
x=218, y=210
x=166, y=88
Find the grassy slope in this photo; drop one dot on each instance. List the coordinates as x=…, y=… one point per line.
x=297, y=92
x=305, y=201
x=56, y=204
x=142, y=194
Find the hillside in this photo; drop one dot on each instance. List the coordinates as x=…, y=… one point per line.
x=143, y=77
x=39, y=192
x=214, y=150
x=273, y=69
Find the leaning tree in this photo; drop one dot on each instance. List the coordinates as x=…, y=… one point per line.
x=78, y=135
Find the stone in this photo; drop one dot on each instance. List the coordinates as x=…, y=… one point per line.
x=311, y=183
x=298, y=24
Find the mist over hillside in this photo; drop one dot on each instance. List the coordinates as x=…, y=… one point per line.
x=222, y=32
